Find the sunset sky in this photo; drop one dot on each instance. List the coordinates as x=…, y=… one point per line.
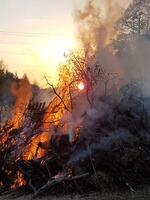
x=34, y=34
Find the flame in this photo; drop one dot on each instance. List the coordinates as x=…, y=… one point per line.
x=23, y=96
x=37, y=146
x=19, y=181
x=53, y=115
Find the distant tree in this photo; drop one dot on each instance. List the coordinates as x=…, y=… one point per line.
x=6, y=80
x=136, y=18
x=133, y=24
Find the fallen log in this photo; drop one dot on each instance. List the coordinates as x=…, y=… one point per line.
x=56, y=181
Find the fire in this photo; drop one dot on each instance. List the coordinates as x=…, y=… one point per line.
x=19, y=181
x=36, y=148
x=81, y=86
x=38, y=145
x=54, y=112
x=23, y=95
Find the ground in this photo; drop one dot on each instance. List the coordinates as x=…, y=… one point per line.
x=138, y=195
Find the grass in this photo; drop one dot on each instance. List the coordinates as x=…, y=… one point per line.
x=138, y=195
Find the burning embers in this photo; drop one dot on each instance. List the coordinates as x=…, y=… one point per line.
x=19, y=181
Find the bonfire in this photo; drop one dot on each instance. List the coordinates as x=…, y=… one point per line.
x=90, y=135
x=94, y=133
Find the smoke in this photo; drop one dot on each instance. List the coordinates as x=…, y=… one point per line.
x=135, y=62
x=95, y=25
x=96, y=31
x=106, y=143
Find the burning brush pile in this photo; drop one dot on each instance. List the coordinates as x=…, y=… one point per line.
x=95, y=132
x=92, y=136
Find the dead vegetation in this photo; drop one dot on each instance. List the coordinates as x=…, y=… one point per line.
x=108, y=151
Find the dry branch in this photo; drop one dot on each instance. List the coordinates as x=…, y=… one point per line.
x=55, y=92
x=58, y=180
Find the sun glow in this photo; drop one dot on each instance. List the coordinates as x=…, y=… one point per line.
x=52, y=53
x=81, y=86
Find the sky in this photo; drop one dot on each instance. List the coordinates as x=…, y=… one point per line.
x=34, y=34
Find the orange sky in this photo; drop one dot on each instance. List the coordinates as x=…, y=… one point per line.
x=34, y=35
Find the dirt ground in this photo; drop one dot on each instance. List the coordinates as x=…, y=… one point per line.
x=138, y=195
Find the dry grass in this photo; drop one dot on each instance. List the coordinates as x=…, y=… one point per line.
x=139, y=195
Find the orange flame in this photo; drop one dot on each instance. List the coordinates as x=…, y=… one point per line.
x=23, y=96
x=19, y=181
x=37, y=147
x=53, y=114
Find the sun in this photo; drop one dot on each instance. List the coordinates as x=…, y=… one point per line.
x=81, y=86
x=52, y=53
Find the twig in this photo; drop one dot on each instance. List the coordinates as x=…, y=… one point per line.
x=57, y=94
